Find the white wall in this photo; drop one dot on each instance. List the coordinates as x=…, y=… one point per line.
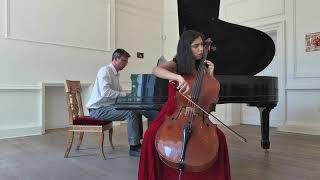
x=20, y=111
x=303, y=78
x=44, y=42
x=139, y=28
x=299, y=79
x=170, y=28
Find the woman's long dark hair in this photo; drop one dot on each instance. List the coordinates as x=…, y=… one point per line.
x=184, y=57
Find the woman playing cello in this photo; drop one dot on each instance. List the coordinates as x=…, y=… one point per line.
x=189, y=53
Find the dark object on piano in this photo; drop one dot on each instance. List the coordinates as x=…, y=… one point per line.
x=148, y=94
x=241, y=52
x=149, y=87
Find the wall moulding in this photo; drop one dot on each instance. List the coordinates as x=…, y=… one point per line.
x=305, y=75
x=296, y=74
x=233, y=10
x=137, y=14
x=275, y=27
x=138, y=11
x=232, y=2
x=133, y=6
x=19, y=87
x=108, y=44
x=293, y=84
x=14, y=132
x=301, y=128
x=46, y=84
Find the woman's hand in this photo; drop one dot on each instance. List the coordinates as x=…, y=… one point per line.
x=183, y=85
x=210, y=67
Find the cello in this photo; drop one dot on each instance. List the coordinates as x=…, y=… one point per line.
x=187, y=140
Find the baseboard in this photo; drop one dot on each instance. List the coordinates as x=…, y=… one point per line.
x=20, y=132
x=61, y=126
x=303, y=129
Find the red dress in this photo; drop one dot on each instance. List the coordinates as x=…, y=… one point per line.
x=152, y=168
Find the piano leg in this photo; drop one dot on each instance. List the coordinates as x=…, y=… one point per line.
x=140, y=125
x=264, y=119
x=150, y=115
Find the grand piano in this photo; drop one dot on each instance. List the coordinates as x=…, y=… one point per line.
x=240, y=53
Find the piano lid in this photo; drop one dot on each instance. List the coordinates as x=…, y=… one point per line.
x=197, y=12
x=239, y=50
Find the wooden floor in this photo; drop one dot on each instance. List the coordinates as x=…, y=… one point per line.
x=291, y=157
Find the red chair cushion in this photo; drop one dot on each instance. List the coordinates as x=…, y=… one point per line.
x=87, y=120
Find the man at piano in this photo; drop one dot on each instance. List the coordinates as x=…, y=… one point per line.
x=189, y=51
x=105, y=90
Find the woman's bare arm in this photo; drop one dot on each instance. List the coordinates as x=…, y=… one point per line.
x=168, y=71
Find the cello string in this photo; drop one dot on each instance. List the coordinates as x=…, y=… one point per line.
x=209, y=114
x=196, y=89
x=180, y=173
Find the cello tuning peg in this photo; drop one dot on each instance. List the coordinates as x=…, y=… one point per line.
x=213, y=48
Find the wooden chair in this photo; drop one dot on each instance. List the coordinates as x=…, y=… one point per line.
x=80, y=123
